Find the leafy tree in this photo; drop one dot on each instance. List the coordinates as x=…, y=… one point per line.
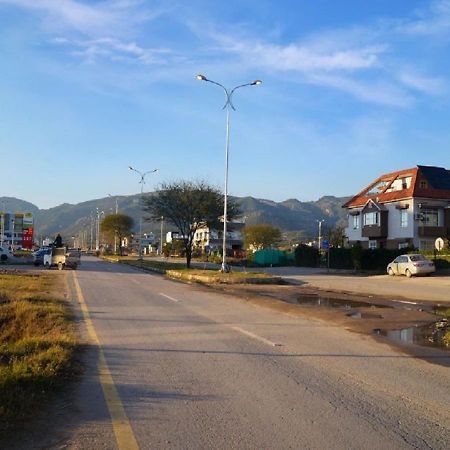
x=261, y=236
x=118, y=225
x=188, y=205
x=337, y=236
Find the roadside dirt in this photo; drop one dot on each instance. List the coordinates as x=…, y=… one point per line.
x=381, y=313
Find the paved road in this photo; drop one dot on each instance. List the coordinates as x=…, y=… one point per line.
x=186, y=368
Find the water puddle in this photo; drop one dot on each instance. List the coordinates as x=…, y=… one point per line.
x=436, y=334
x=334, y=302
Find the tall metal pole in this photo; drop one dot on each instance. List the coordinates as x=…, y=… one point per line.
x=115, y=232
x=92, y=232
x=142, y=182
x=320, y=233
x=2, y=224
x=12, y=234
x=161, y=240
x=225, y=197
x=227, y=106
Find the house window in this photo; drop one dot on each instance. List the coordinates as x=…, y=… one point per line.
x=423, y=184
x=372, y=245
x=429, y=217
x=403, y=218
x=403, y=245
x=371, y=218
x=356, y=222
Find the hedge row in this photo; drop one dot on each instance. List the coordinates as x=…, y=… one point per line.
x=350, y=258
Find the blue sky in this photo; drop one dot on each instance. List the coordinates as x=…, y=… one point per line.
x=351, y=89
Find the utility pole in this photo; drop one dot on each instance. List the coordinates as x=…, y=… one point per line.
x=161, y=240
x=2, y=224
x=141, y=182
x=12, y=235
x=320, y=233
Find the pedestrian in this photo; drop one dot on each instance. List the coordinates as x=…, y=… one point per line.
x=58, y=241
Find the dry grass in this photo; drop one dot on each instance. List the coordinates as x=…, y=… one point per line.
x=37, y=343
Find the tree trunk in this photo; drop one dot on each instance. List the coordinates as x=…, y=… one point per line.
x=188, y=258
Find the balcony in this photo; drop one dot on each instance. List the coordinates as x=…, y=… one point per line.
x=374, y=231
x=435, y=232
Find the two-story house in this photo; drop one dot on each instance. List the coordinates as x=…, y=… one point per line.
x=209, y=239
x=406, y=208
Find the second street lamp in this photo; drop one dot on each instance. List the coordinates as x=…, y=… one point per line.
x=141, y=182
x=227, y=106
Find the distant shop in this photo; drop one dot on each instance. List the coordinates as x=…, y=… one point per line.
x=16, y=230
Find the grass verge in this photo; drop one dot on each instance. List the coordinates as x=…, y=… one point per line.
x=181, y=272
x=37, y=344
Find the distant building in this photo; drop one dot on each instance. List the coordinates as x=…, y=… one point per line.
x=209, y=239
x=16, y=229
x=406, y=208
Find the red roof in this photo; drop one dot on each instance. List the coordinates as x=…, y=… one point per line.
x=415, y=190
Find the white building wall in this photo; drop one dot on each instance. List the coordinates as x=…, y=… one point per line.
x=395, y=231
x=354, y=234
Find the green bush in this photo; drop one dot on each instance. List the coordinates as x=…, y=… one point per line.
x=341, y=258
x=306, y=256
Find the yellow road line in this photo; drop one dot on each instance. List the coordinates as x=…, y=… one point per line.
x=122, y=429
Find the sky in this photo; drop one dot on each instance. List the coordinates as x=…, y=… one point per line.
x=351, y=90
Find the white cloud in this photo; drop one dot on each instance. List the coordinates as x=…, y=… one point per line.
x=84, y=17
x=427, y=85
x=304, y=59
x=380, y=92
x=433, y=21
x=115, y=50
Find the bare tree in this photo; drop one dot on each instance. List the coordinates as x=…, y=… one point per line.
x=188, y=205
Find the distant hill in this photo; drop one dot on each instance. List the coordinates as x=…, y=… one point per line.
x=292, y=216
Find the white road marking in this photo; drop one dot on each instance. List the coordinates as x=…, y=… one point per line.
x=255, y=336
x=169, y=297
x=404, y=301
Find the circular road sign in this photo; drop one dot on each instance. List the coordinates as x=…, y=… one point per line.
x=439, y=244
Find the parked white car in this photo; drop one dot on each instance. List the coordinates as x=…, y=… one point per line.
x=410, y=265
x=5, y=254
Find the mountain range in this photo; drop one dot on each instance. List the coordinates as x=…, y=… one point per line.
x=298, y=220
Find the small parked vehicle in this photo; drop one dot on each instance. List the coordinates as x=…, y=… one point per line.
x=62, y=257
x=38, y=255
x=5, y=254
x=410, y=265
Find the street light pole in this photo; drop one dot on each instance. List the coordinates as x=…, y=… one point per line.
x=161, y=240
x=228, y=105
x=320, y=232
x=142, y=182
x=97, y=238
x=115, y=231
x=2, y=224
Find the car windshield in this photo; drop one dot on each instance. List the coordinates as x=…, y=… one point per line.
x=417, y=258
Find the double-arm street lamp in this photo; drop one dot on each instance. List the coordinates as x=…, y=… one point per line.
x=141, y=182
x=228, y=105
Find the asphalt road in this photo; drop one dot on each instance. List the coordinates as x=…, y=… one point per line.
x=183, y=367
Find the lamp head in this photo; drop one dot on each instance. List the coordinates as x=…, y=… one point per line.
x=201, y=77
x=256, y=83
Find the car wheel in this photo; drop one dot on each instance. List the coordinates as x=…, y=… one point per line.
x=47, y=265
x=391, y=272
x=408, y=273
